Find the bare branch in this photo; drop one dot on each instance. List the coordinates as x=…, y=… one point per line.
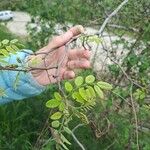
x=75, y=138
x=110, y=16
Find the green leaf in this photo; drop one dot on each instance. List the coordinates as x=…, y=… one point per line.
x=99, y=91
x=16, y=82
x=64, y=139
x=84, y=118
x=77, y=96
x=4, y=52
x=56, y=116
x=15, y=47
x=14, y=41
x=68, y=86
x=57, y=96
x=90, y=79
x=82, y=92
x=64, y=146
x=5, y=42
x=79, y=81
x=9, y=48
x=52, y=103
x=35, y=61
x=67, y=130
x=62, y=106
x=55, y=124
x=139, y=94
x=89, y=96
x=91, y=90
x=104, y=85
x=95, y=39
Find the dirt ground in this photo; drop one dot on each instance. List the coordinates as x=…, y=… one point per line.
x=18, y=24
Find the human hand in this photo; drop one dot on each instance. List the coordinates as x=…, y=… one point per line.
x=74, y=59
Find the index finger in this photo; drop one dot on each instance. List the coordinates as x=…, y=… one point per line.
x=61, y=40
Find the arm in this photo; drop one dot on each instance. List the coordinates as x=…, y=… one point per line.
x=33, y=83
x=27, y=86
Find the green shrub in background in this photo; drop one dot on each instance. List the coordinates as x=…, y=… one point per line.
x=113, y=127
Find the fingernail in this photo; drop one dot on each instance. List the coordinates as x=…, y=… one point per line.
x=80, y=28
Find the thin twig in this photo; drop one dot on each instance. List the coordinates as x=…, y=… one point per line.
x=75, y=138
x=110, y=16
x=135, y=117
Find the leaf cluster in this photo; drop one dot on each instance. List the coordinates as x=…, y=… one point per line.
x=81, y=95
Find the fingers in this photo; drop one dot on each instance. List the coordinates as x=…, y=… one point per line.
x=68, y=75
x=61, y=40
x=78, y=64
x=78, y=53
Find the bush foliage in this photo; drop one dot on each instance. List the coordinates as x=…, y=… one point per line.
x=123, y=121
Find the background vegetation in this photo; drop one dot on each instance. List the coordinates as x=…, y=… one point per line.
x=21, y=122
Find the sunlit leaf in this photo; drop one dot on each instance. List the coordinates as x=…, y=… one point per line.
x=91, y=90
x=99, y=91
x=56, y=116
x=104, y=85
x=14, y=41
x=89, y=96
x=9, y=48
x=15, y=47
x=84, y=118
x=95, y=39
x=78, y=97
x=52, y=103
x=62, y=106
x=68, y=86
x=79, y=81
x=90, y=79
x=4, y=52
x=5, y=42
x=55, y=124
x=57, y=96
x=82, y=92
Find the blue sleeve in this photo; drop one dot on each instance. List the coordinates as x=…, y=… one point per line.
x=26, y=86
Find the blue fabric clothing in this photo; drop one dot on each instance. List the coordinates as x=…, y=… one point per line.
x=26, y=86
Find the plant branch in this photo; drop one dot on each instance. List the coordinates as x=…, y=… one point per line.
x=135, y=117
x=110, y=16
x=75, y=138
